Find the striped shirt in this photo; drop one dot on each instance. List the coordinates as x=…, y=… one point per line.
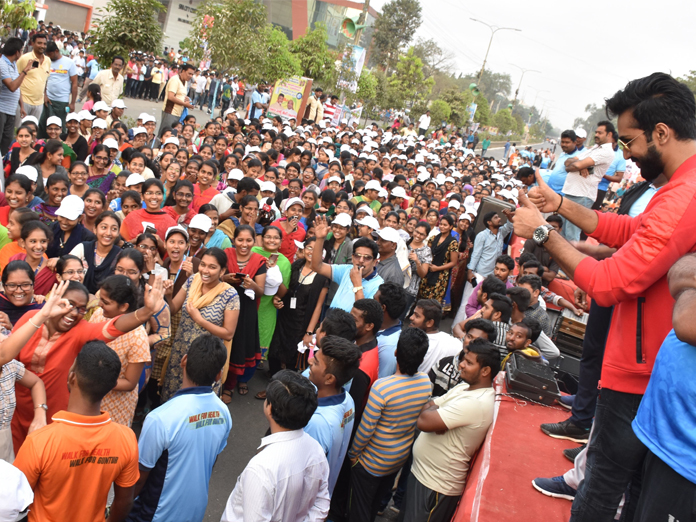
x=387, y=428
x=9, y=101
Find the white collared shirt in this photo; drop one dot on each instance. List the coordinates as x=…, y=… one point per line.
x=579, y=186
x=286, y=481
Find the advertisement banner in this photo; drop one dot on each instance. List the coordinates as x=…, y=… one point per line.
x=289, y=97
x=357, y=61
x=345, y=112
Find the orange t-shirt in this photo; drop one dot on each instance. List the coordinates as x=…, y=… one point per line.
x=8, y=251
x=71, y=463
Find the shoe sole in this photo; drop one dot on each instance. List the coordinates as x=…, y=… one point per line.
x=565, y=437
x=554, y=495
x=566, y=406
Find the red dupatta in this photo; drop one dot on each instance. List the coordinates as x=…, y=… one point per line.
x=255, y=262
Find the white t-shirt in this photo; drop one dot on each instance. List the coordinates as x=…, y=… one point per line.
x=441, y=462
x=424, y=121
x=579, y=186
x=440, y=345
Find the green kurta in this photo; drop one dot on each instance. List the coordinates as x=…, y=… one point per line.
x=267, y=312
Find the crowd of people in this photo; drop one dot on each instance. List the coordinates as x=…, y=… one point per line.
x=157, y=268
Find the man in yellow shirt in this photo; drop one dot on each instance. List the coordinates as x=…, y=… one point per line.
x=34, y=85
x=175, y=99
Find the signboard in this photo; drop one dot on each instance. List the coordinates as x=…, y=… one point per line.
x=357, y=61
x=289, y=97
x=346, y=112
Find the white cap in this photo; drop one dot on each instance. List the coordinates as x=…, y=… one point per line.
x=389, y=234
x=465, y=216
x=201, y=222
x=98, y=124
x=293, y=201
x=343, y=220
x=373, y=184
x=398, y=192
x=136, y=130
x=72, y=117
x=334, y=178
x=134, y=179
x=83, y=115
x=171, y=139
x=16, y=494
x=28, y=171
x=101, y=106
x=54, y=120
x=235, y=174
x=423, y=176
x=31, y=118
x=369, y=221
x=454, y=204
x=71, y=207
x=366, y=209
x=118, y=104
x=143, y=115
x=382, y=193
x=110, y=143
x=267, y=186
x=174, y=229
x=299, y=244
x=581, y=133
x=149, y=118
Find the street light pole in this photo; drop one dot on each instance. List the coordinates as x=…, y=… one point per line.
x=494, y=29
x=514, y=102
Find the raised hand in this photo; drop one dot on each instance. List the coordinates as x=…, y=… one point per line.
x=527, y=217
x=321, y=227
x=153, y=299
x=55, y=305
x=543, y=196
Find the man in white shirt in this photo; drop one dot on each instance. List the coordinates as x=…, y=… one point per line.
x=423, y=123
x=426, y=316
x=585, y=171
x=288, y=478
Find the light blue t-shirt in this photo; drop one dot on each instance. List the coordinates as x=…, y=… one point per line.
x=386, y=343
x=58, y=86
x=179, y=443
x=556, y=178
x=639, y=205
x=331, y=426
x=8, y=100
x=93, y=66
x=618, y=165
x=344, y=298
x=256, y=97
x=666, y=418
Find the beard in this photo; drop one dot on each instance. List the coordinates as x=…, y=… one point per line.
x=651, y=165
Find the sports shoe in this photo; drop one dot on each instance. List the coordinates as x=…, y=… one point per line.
x=572, y=453
x=555, y=487
x=566, y=430
x=566, y=401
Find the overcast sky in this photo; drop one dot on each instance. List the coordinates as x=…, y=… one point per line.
x=585, y=52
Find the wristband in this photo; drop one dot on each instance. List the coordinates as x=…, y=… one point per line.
x=559, y=206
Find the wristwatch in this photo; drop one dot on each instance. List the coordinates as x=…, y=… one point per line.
x=357, y=289
x=44, y=406
x=541, y=234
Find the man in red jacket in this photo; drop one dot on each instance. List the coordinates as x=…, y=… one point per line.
x=657, y=129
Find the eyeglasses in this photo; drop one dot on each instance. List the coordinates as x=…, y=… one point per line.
x=101, y=158
x=184, y=195
x=71, y=273
x=143, y=246
x=79, y=174
x=148, y=193
x=130, y=273
x=24, y=286
x=362, y=256
x=81, y=310
x=627, y=145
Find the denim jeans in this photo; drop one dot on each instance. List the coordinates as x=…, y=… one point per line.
x=570, y=231
x=614, y=461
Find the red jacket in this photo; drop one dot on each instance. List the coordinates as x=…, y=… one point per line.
x=634, y=279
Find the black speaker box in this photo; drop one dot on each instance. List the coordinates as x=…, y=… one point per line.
x=531, y=380
x=567, y=371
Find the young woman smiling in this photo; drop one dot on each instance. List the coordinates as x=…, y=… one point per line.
x=49, y=162
x=171, y=174
x=17, y=296
x=206, y=187
x=100, y=175
x=214, y=238
x=56, y=189
x=153, y=194
x=444, y=248
x=25, y=153
x=178, y=203
x=78, y=175
x=95, y=204
x=99, y=256
x=18, y=194
x=35, y=238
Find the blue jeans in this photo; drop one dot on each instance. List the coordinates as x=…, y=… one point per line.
x=614, y=461
x=570, y=231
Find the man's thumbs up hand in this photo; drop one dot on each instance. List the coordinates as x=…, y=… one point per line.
x=543, y=196
x=527, y=217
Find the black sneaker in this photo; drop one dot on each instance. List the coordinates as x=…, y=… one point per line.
x=554, y=487
x=572, y=453
x=566, y=430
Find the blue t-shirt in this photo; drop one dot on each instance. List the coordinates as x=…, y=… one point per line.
x=666, y=419
x=344, y=296
x=93, y=66
x=58, y=86
x=545, y=163
x=386, y=343
x=256, y=97
x=331, y=426
x=179, y=443
x=556, y=178
x=8, y=100
x=618, y=165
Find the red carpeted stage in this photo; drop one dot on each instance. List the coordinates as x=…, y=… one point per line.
x=499, y=487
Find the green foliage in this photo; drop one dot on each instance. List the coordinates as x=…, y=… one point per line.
x=689, y=80
x=407, y=83
x=394, y=30
x=440, y=112
x=458, y=101
x=316, y=59
x=126, y=25
x=278, y=62
x=367, y=87
x=17, y=15
x=504, y=121
x=594, y=115
x=434, y=58
x=490, y=85
x=483, y=111
x=519, y=124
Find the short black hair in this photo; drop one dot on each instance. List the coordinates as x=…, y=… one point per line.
x=393, y=298
x=338, y=322
x=528, y=329
x=534, y=263
x=12, y=46
x=484, y=325
x=569, y=134
x=553, y=218
x=608, y=126
x=487, y=354
x=506, y=260
x=248, y=184
x=31, y=226
x=342, y=358
x=432, y=310
x=525, y=172
x=411, y=349
x=532, y=280
x=520, y=296
x=97, y=368
x=186, y=66
x=488, y=216
x=534, y=326
x=366, y=242
x=16, y=266
x=292, y=398
x=492, y=285
x=51, y=47
x=205, y=359
x=658, y=98
x=372, y=313
x=502, y=303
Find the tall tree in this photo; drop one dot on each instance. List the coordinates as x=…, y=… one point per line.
x=394, y=30
x=316, y=59
x=126, y=25
x=17, y=15
x=440, y=112
x=504, y=121
x=277, y=61
x=689, y=80
x=458, y=101
x=483, y=112
x=408, y=82
x=594, y=114
x=435, y=59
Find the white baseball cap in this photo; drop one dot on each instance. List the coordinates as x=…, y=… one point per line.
x=454, y=204
x=398, y=192
x=343, y=220
x=267, y=186
x=293, y=201
x=175, y=229
x=382, y=193
x=28, y=171
x=143, y=115
x=389, y=234
x=136, y=130
x=369, y=221
x=118, y=104
x=101, y=106
x=373, y=184
x=31, y=118
x=149, y=118
x=54, y=120
x=83, y=115
x=366, y=209
x=423, y=176
x=581, y=133
x=98, y=124
x=201, y=222
x=134, y=179
x=465, y=216
x=110, y=143
x=171, y=139
x=235, y=174
x=71, y=207
x=72, y=117
x=334, y=178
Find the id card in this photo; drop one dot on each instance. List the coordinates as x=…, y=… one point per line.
x=293, y=303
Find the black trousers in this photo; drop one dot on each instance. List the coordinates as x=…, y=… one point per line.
x=593, y=346
x=425, y=505
x=665, y=495
x=366, y=492
x=600, y=199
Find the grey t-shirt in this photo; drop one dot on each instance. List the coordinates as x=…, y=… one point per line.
x=390, y=270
